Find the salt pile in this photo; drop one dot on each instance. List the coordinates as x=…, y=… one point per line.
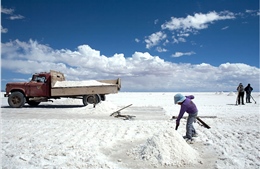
x=167, y=148
x=219, y=93
x=231, y=94
x=79, y=83
x=104, y=108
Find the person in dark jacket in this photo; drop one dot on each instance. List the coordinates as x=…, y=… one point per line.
x=241, y=93
x=248, y=90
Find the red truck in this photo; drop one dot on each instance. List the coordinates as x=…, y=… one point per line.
x=45, y=86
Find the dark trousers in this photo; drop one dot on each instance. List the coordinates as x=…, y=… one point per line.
x=240, y=97
x=248, y=95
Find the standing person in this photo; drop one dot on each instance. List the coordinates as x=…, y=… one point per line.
x=187, y=106
x=248, y=90
x=241, y=93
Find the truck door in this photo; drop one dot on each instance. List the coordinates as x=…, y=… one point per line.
x=38, y=87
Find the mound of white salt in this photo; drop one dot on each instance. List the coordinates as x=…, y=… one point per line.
x=231, y=94
x=69, y=101
x=219, y=93
x=79, y=83
x=105, y=108
x=166, y=148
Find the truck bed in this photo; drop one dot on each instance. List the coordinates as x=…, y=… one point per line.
x=80, y=88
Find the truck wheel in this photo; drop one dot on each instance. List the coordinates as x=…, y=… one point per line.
x=103, y=97
x=98, y=98
x=33, y=103
x=90, y=99
x=16, y=100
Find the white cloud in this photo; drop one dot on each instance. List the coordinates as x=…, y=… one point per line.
x=179, y=54
x=250, y=11
x=137, y=40
x=183, y=27
x=11, y=13
x=160, y=49
x=181, y=39
x=14, y=17
x=7, y=11
x=196, y=22
x=154, y=39
x=253, y=12
x=139, y=72
x=184, y=34
x=156, y=21
x=226, y=27
x=178, y=39
x=3, y=30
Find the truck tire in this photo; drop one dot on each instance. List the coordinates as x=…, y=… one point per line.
x=16, y=100
x=33, y=103
x=89, y=99
x=103, y=97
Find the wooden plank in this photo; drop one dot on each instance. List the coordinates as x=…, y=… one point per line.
x=116, y=82
x=118, y=111
x=185, y=117
x=203, y=123
x=118, y=114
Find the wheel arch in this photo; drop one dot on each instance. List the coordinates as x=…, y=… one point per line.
x=18, y=90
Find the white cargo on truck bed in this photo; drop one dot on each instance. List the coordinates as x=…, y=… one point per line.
x=80, y=83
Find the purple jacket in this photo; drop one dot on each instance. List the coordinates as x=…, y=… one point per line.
x=187, y=106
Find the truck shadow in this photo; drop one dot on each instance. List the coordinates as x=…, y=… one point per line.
x=232, y=104
x=48, y=106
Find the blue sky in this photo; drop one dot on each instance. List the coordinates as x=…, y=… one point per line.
x=152, y=45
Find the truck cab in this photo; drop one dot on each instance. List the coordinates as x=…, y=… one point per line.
x=39, y=86
x=32, y=92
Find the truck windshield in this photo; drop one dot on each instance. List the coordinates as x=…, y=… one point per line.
x=40, y=79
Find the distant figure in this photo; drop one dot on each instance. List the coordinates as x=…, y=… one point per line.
x=248, y=90
x=187, y=106
x=241, y=93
